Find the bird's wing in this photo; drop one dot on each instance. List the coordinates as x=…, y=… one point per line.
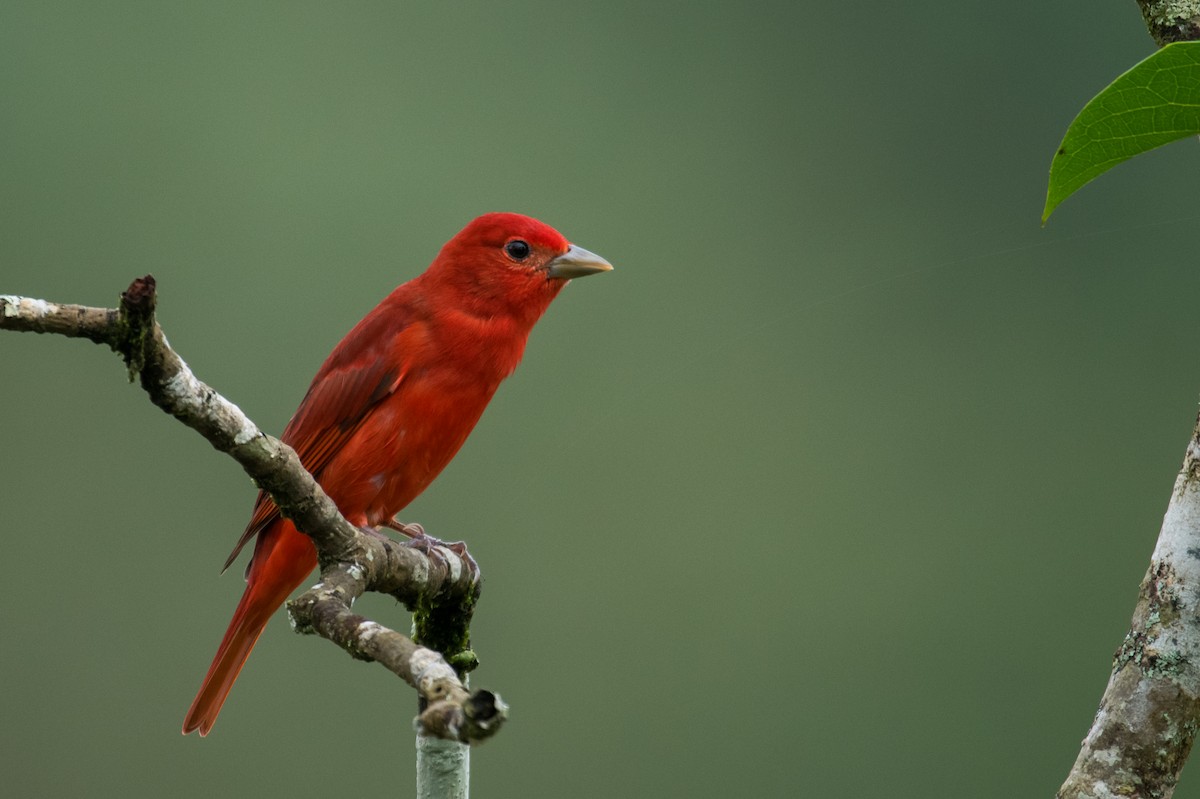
x=367, y=366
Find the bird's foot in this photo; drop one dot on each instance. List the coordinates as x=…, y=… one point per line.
x=423, y=542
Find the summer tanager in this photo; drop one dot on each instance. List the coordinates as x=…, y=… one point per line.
x=393, y=403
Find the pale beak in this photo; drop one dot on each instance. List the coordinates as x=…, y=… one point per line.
x=577, y=262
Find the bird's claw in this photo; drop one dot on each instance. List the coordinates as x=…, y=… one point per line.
x=411, y=529
x=425, y=543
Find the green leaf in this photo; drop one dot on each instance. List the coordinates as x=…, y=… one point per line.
x=1156, y=102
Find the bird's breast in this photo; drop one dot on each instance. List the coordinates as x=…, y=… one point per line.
x=404, y=444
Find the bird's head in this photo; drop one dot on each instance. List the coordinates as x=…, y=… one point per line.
x=512, y=262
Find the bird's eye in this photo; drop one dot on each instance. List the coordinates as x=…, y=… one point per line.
x=517, y=249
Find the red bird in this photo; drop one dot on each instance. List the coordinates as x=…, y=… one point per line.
x=393, y=403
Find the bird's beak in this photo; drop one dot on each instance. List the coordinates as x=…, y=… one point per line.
x=577, y=262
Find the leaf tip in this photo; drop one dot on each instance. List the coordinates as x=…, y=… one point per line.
x=1049, y=209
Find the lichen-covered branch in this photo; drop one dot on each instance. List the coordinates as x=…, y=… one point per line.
x=1171, y=20
x=1150, y=712
x=422, y=574
x=448, y=710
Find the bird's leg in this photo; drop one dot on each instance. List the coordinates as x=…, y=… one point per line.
x=369, y=530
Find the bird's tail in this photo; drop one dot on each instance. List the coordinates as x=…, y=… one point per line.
x=282, y=559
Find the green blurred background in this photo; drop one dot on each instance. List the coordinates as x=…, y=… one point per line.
x=842, y=484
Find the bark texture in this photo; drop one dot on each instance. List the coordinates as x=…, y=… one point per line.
x=1171, y=20
x=1143, y=732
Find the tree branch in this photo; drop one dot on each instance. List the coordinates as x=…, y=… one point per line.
x=1150, y=711
x=1171, y=20
x=423, y=574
